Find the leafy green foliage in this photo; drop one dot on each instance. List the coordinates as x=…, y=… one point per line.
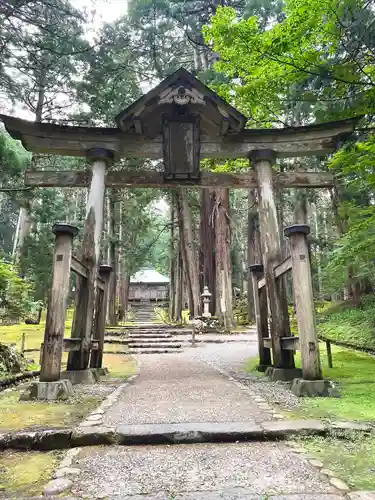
x=14, y=294
x=319, y=48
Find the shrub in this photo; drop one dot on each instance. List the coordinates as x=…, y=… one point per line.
x=15, y=294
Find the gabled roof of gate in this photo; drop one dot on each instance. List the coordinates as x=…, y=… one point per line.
x=144, y=116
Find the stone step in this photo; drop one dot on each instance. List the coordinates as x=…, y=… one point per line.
x=154, y=341
x=150, y=335
x=154, y=346
x=153, y=351
x=162, y=326
x=147, y=332
x=139, y=340
x=131, y=336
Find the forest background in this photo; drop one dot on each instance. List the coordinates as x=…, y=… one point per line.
x=281, y=63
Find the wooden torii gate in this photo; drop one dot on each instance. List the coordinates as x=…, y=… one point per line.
x=182, y=121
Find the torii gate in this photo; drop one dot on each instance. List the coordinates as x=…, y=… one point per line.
x=182, y=121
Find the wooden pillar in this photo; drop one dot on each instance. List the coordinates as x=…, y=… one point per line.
x=96, y=360
x=58, y=301
x=261, y=316
x=253, y=250
x=304, y=300
x=262, y=162
x=99, y=159
x=85, y=295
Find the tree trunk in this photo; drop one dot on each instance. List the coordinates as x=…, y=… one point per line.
x=177, y=312
x=112, y=261
x=351, y=290
x=123, y=295
x=186, y=226
x=24, y=227
x=253, y=249
x=207, y=245
x=172, y=263
x=223, y=261
x=271, y=250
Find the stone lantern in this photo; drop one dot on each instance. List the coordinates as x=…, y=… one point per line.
x=206, y=295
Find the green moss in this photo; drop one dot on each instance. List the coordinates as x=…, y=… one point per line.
x=354, y=372
x=120, y=366
x=16, y=415
x=353, y=458
x=26, y=472
x=342, y=322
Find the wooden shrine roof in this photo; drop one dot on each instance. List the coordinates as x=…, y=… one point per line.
x=316, y=139
x=181, y=89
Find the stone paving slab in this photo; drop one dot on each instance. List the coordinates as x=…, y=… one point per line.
x=362, y=495
x=188, y=432
x=259, y=468
x=232, y=494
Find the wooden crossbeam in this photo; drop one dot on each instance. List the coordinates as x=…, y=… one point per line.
x=74, y=344
x=82, y=271
x=100, y=284
x=279, y=270
x=78, y=268
x=317, y=139
x=287, y=343
x=153, y=179
x=283, y=267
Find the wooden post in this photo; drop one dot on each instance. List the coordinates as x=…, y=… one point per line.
x=261, y=316
x=270, y=241
x=58, y=300
x=41, y=354
x=99, y=159
x=193, y=332
x=329, y=354
x=96, y=360
x=304, y=300
x=23, y=342
x=85, y=295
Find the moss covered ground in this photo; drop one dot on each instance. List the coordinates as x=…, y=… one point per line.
x=354, y=374
x=343, y=323
x=26, y=472
x=34, y=335
x=16, y=415
x=352, y=458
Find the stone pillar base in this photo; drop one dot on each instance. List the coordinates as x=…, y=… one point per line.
x=320, y=388
x=283, y=374
x=50, y=391
x=101, y=372
x=87, y=377
x=263, y=368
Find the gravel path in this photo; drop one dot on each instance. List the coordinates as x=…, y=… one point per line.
x=184, y=387
x=231, y=358
x=220, y=471
x=194, y=386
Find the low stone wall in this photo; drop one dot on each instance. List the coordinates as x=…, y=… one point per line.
x=16, y=379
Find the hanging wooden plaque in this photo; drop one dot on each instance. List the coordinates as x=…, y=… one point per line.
x=181, y=147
